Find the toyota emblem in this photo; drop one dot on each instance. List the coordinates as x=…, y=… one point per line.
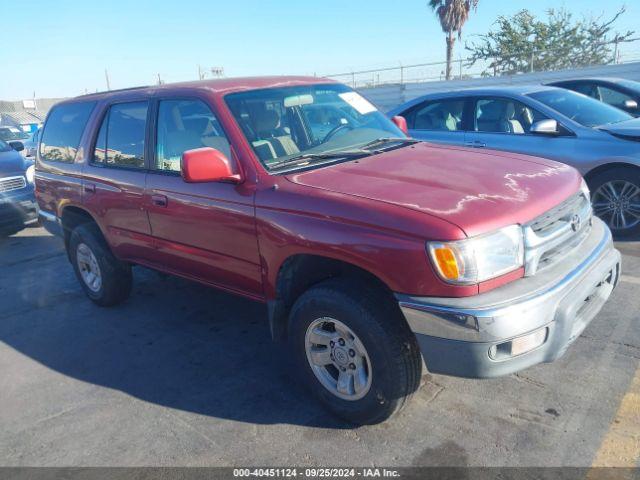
x=575, y=222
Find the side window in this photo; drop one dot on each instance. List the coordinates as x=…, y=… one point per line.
x=121, y=137
x=444, y=115
x=184, y=125
x=613, y=97
x=503, y=115
x=63, y=130
x=588, y=89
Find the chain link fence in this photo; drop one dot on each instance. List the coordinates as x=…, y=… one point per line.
x=462, y=69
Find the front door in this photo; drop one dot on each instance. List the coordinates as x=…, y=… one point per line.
x=438, y=121
x=204, y=231
x=502, y=123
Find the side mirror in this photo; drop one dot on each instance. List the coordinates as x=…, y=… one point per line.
x=545, y=127
x=17, y=146
x=630, y=104
x=401, y=123
x=206, y=165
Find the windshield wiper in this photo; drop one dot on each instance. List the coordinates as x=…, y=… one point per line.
x=383, y=140
x=306, y=157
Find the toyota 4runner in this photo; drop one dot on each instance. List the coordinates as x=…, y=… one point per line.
x=370, y=249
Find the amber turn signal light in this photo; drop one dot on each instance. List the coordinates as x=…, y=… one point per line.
x=447, y=263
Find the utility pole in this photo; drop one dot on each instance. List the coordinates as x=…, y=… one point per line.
x=106, y=76
x=532, y=58
x=159, y=80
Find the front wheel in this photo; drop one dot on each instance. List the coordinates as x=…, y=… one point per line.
x=615, y=196
x=354, y=351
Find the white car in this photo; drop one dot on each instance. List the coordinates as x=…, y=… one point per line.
x=31, y=145
x=13, y=134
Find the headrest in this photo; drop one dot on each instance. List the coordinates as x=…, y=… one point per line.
x=265, y=121
x=493, y=111
x=198, y=124
x=510, y=111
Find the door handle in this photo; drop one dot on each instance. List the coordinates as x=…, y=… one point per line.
x=476, y=144
x=90, y=187
x=159, y=200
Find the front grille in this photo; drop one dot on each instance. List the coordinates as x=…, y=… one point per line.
x=551, y=219
x=556, y=232
x=12, y=183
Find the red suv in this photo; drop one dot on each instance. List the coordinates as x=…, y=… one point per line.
x=369, y=248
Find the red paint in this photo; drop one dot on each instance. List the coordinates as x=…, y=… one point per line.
x=376, y=214
x=207, y=164
x=401, y=123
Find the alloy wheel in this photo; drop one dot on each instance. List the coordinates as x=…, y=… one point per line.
x=88, y=268
x=617, y=203
x=338, y=358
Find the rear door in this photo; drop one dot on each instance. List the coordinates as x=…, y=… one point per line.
x=58, y=174
x=438, y=121
x=204, y=231
x=114, y=179
x=503, y=123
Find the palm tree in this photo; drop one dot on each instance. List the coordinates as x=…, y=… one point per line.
x=452, y=15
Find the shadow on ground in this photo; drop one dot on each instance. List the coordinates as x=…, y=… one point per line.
x=173, y=343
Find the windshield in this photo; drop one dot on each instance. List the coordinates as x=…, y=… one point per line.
x=310, y=120
x=580, y=108
x=12, y=133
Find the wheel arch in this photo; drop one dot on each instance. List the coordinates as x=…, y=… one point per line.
x=72, y=216
x=299, y=272
x=608, y=166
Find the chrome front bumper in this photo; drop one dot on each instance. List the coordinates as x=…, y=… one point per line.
x=459, y=336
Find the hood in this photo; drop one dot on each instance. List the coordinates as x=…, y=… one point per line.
x=478, y=191
x=12, y=163
x=627, y=130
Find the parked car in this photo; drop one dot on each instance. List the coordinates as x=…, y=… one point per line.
x=617, y=92
x=14, y=134
x=17, y=201
x=367, y=247
x=31, y=144
x=602, y=142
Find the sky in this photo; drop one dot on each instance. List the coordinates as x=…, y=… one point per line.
x=57, y=48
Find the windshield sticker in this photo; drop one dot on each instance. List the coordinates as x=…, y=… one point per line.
x=357, y=101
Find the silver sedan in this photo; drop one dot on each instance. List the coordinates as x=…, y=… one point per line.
x=602, y=142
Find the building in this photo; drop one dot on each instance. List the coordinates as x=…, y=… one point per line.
x=28, y=115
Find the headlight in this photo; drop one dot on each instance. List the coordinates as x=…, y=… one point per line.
x=480, y=258
x=30, y=174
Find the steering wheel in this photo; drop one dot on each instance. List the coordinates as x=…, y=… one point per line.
x=335, y=130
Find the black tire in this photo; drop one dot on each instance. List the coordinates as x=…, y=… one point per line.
x=377, y=322
x=8, y=231
x=616, y=174
x=115, y=275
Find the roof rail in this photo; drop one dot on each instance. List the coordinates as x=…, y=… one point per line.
x=114, y=91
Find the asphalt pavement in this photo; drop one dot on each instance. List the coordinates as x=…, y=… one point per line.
x=184, y=375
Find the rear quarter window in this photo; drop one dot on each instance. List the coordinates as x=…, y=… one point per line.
x=63, y=130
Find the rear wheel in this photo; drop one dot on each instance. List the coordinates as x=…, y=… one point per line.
x=106, y=280
x=354, y=351
x=8, y=231
x=615, y=196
